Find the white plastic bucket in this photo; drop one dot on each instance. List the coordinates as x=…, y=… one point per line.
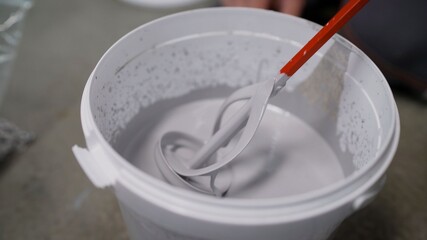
x=339, y=92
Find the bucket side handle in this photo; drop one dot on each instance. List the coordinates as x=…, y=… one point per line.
x=363, y=200
x=101, y=173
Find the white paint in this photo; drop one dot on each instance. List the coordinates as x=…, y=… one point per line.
x=286, y=156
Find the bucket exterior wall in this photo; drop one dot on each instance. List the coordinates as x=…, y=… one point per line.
x=149, y=222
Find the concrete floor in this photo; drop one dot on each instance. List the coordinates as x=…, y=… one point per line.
x=45, y=195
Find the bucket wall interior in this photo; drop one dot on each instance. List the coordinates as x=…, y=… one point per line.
x=339, y=92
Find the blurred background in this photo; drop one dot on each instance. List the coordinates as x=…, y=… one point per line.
x=48, y=49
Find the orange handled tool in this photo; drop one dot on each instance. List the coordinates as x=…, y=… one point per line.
x=335, y=24
x=246, y=119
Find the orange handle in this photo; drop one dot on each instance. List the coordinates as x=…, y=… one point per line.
x=335, y=24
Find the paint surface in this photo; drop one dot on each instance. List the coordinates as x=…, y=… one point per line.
x=286, y=156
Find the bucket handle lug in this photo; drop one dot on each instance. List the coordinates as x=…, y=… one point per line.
x=367, y=197
x=99, y=171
